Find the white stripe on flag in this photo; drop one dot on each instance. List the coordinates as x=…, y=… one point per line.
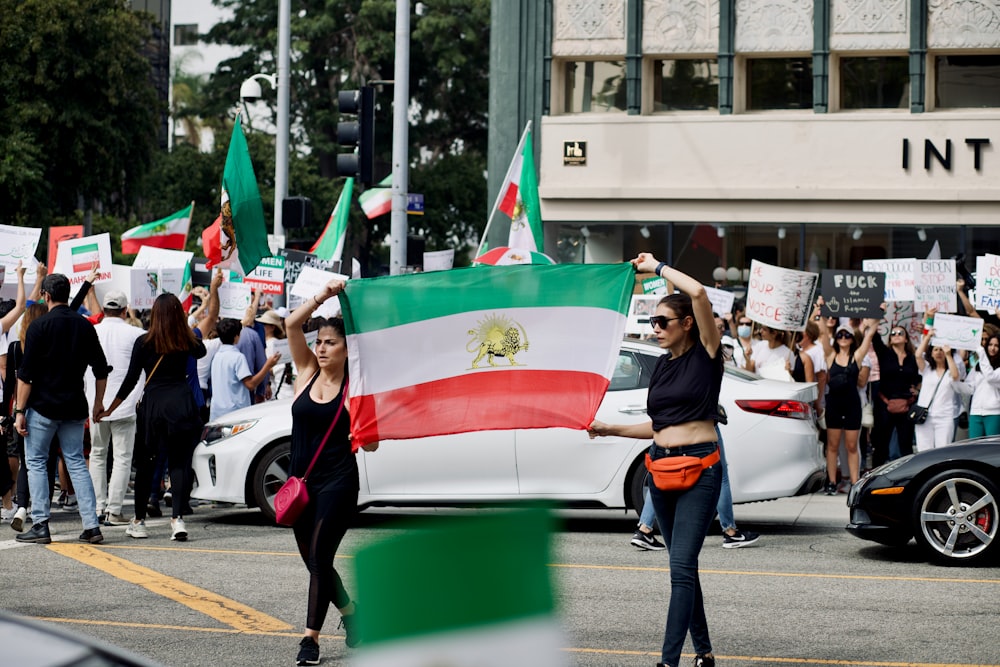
x=398, y=357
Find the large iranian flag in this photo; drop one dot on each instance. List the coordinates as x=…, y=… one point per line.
x=470, y=592
x=169, y=232
x=482, y=349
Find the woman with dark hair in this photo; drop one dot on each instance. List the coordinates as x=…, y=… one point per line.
x=167, y=417
x=320, y=418
x=983, y=384
x=771, y=355
x=843, y=402
x=899, y=379
x=937, y=393
x=683, y=405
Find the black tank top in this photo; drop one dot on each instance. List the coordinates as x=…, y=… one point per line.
x=310, y=421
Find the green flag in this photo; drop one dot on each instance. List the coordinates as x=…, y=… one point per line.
x=243, y=236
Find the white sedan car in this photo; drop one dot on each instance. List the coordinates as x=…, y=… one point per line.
x=771, y=442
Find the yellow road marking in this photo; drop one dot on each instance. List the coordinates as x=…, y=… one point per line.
x=234, y=614
x=592, y=651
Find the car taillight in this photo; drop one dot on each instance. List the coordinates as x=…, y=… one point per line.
x=778, y=408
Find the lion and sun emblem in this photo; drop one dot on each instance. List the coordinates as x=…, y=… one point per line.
x=497, y=336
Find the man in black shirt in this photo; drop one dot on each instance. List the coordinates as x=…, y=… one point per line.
x=58, y=347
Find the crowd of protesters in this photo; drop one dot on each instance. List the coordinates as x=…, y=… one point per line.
x=88, y=398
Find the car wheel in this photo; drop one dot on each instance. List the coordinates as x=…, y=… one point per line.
x=270, y=473
x=955, y=517
x=637, y=486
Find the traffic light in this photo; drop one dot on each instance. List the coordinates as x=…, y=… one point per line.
x=360, y=134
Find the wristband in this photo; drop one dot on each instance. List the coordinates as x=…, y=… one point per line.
x=317, y=301
x=659, y=267
x=18, y=411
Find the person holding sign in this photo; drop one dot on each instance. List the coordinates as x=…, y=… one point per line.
x=843, y=403
x=983, y=385
x=899, y=378
x=937, y=393
x=683, y=406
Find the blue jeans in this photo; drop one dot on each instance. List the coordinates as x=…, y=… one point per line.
x=41, y=430
x=724, y=507
x=684, y=518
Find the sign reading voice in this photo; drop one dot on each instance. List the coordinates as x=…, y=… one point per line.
x=853, y=293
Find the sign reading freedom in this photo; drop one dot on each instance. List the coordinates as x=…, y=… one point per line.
x=853, y=293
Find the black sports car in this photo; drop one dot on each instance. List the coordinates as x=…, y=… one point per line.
x=947, y=498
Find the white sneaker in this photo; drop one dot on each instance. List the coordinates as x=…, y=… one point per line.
x=20, y=516
x=180, y=532
x=137, y=529
x=8, y=514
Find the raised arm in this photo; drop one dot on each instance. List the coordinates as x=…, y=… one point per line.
x=302, y=356
x=36, y=291
x=10, y=318
x=251, y=312
x=952, y=366
x=824, y=333
x=700, y=304
x=211, y=319
x=922, y=348
x=970, y=310
x=870, y=327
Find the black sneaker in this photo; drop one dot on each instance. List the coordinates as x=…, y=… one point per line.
x=740, y=539
x=646, y=541
x=39, y=534
x=349, y=623
x=153, y=509
x=830, y=489
x=704, y=661
x=308, y=652
x=92, y=535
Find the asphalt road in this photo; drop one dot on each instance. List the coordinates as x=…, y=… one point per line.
x=807, y=594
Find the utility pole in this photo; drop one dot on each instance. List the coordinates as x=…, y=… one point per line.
x=400, y=140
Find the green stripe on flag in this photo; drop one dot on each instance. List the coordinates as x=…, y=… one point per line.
x=446, y=574
x=81, y=249
x=387, y=301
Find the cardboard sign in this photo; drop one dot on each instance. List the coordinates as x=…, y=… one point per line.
x=780, y=298
x=722, y=300
x=852, y=293
x=234, y=299
x=898, y=276
x=269, y=276
x=934, y=285
x=75, y=258
x=144, y=286
x=18, y=244
x=961, y=333
x=988, y=283
x=639, y=310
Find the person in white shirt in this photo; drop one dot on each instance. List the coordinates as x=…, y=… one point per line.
x=117, y=338
x=983, y=385
x=937, y=393
x=771, y=354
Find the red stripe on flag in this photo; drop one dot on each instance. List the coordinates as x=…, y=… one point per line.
x=211, y=244
x=168, y=241
x=509, y=200
x=492, y=400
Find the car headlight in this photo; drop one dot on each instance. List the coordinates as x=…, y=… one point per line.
x=887, y=468
x=214, y=433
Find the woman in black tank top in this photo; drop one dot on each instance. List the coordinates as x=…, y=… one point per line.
x=683, y=406
x=333, y=482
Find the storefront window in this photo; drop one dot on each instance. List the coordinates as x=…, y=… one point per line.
x=874, y=83
x=594, y=86
x=686, y=85
x=967, y=81
x=779, y=83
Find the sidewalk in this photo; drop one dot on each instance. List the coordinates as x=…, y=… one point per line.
x=814, y=509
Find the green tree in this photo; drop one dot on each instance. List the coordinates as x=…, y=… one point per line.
x=343, y=44
x=78, y=113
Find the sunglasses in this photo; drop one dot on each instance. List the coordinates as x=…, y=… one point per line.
x=661, y=321
x=897, y=332
x=844, y=334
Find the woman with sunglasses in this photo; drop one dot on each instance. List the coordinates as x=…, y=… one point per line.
x=843, y=402
x=899, y=378
x=683, y=406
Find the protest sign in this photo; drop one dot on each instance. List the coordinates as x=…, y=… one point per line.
x=934, y=285
x=201, y=275
x=961, y=333
x=269, y=276
x=901, y=314
x=76, y=257
x=654, y=286
x=780, y=298
x=161, y=258
x=852, y=293
x=988, y=282
x=57, y=234
x=898, y=276
x=639, y=310
x=234, y=299
x=439, y=260
x=144, y=286
x=310, y=282
x=18, y=244
x=722, y=300
x=296, y=259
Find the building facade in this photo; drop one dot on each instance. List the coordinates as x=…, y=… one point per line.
x=804, y=133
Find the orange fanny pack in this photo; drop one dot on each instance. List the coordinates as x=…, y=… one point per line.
x=677, y=473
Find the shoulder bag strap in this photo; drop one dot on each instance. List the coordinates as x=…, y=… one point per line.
x=343, y=397
x=150, y=376
x=934, y=393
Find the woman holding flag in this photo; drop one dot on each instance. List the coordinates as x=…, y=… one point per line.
x=683, y=405
x=321, y=428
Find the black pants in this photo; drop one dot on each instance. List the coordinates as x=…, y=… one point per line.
x=318, y=533
x=178, y=447
x=885, y=423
